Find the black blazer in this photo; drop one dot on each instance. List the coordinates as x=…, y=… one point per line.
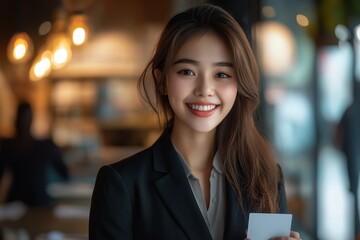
x=147, y=196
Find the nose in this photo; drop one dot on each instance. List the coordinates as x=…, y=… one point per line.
x=204, y=86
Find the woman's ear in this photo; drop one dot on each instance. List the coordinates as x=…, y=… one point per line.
x=162, y=85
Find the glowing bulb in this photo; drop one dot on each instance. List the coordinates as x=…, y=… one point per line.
x=41, y=67
x=20, y=48
x=59, y=45
x=46, y=62
x=79, y=36
x=19, y=51
x=60, y=56
x=78, y=29
x=302, y=20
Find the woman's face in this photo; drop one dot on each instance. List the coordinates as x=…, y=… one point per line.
x=201, y=83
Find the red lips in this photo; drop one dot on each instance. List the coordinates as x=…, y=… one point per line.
x=202, y=109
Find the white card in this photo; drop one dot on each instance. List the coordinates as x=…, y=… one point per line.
x=264, y=226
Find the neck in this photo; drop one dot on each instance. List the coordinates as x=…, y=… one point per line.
x=197, y=148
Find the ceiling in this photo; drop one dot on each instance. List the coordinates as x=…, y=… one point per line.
x=25, y=15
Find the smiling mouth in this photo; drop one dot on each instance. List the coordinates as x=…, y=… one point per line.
x=202, y=108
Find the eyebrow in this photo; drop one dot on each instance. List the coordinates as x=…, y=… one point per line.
x=194, y=62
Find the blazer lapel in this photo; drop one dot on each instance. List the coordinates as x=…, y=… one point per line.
x=175, y=191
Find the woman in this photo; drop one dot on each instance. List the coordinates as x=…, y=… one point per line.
x=210, y=168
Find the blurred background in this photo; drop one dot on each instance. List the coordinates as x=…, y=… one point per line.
x=77, y=63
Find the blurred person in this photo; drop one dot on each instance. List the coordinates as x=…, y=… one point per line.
x=211, y=167
x=347, y=139
x=27, y=160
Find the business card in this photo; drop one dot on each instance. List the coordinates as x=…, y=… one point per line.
x=264, y=226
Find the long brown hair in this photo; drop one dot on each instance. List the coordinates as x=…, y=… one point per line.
x=244, y=151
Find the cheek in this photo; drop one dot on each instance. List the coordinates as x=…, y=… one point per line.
x=229, y=94
x=176, y=87
x=170, y=83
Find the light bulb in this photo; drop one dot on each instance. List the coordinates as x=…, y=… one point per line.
x=41, y=67
x=78, y=29
x=79, y=36
x=20, y=48
x=60, y=47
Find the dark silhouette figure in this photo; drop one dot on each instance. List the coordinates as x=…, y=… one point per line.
x=28, y=160
x=347, y=139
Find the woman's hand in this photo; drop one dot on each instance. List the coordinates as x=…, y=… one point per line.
x=293, y=236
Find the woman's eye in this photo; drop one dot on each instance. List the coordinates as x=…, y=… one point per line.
x=222, y=75
x=187, y=72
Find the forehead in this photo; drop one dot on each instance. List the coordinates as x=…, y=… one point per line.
x=204, y=46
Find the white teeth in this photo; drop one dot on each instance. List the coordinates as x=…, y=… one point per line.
x=202, y=107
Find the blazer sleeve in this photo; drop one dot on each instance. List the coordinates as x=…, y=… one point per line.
x=110, y=212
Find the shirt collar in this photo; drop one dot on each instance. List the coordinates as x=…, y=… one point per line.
x=217, y=164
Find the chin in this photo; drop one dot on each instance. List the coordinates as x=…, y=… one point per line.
x=204, y=128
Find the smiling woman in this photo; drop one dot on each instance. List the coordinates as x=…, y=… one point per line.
x=210, y=160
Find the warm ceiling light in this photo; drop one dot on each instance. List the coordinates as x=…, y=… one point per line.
x=60, y=56
x=56, y=54
x=41, y=67
x=20, y=48
x=60, y=47
x=78, y=29
x=79, y=36
x=302, y=20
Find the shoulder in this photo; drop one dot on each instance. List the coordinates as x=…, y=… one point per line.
x=135, y=169
x=155, y=157
x=134, y=163
x=124, y=176
x=147, y=164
